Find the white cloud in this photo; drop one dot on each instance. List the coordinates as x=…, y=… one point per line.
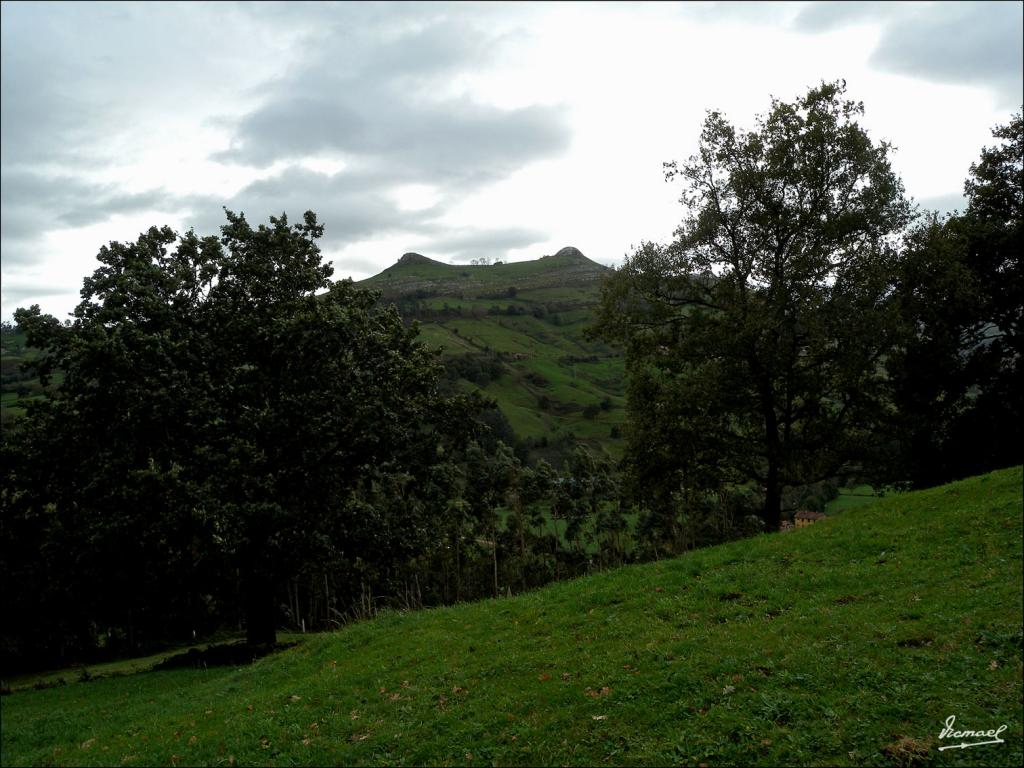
x=448, y=129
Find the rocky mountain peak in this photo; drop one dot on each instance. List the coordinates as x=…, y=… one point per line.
x=413, y=258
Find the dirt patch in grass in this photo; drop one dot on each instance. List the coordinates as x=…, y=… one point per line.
x=907, y=752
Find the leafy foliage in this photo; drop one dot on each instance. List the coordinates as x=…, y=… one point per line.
x=754, y=340
x=222, y=412
x=957, y=375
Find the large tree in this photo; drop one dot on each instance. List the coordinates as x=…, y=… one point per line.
x=957, y=376
x=225, y=401
x=754, y=339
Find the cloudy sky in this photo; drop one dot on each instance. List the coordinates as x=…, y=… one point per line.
x=454, y=130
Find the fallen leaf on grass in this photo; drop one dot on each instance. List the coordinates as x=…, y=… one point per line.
x=359, y=737
x=565, y=675
x=88, y=743
x=604, y=691
x=192, y=740
x=543, y=677
x=599, y=717
x=458, y=689
x=294, y=697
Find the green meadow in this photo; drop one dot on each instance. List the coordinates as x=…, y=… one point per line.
x=849, y=642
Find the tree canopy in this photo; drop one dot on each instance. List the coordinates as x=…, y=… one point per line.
x=220, y=421
x=956, y=374
x=225, y=408
x=754, y=340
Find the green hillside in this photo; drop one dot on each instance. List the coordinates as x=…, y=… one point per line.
x=516, y=332
x=847, y=643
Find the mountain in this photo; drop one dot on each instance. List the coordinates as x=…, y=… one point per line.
x=516, y=332
x=415, y=272
x=850, y=642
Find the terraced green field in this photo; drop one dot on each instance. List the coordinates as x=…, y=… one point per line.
x=533, y=316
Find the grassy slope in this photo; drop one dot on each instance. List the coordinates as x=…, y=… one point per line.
x=849, y=642
x=543, y=346
x=851, y=498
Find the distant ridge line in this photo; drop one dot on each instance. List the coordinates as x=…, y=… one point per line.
x=568, y=253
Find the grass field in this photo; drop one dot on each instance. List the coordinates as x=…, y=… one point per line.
x=846, y=643
x=852, y=498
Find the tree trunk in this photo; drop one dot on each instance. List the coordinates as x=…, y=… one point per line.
x=458, y=568
x=522, y=544
x=773, y=486
x=327, y=600
x=494, y=556
x=260, y=612
x=772, y=500
x=554, y=543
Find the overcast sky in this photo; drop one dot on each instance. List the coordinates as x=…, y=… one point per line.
x=454, y=130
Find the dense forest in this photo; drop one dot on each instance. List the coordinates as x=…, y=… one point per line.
x=224, y=439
